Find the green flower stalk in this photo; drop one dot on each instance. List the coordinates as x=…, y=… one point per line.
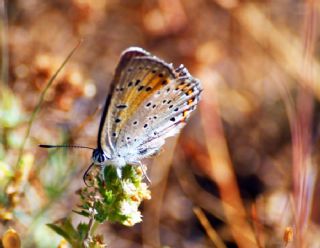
x=114, y=199
x=109, y=198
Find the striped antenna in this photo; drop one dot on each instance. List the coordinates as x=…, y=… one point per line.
x=65, y=146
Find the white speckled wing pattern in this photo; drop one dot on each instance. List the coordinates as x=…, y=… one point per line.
x=149, y=101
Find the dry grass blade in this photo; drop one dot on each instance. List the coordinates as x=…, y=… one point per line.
x=41, y=98
x=221, y=171
x=4, y=43
x=212, y=234
x=152, y=214
x=285, y=48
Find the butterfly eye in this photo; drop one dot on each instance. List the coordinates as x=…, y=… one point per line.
x=98, y=156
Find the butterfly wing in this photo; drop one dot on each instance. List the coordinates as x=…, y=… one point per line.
x=133, y=81
x=153, y=102
x=105, y=138
x=150, y=102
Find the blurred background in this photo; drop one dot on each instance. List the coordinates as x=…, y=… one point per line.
x=243, y=173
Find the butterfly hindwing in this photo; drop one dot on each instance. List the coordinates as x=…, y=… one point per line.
x=160, y=115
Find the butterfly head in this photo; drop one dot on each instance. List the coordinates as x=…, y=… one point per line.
x=99, y=157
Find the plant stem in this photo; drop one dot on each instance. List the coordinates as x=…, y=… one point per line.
x=87, y=239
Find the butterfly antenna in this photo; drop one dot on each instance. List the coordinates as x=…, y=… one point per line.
x=65, y=146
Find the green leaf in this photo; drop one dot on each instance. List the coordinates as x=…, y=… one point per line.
x=60, y=231
x=82, y=230
x=110, y=174
x=65, y=229
x=82, y=212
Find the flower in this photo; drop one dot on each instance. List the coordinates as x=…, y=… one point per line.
x=115, y=199
x=133, y=219
x=128, y=187
x=128, y=208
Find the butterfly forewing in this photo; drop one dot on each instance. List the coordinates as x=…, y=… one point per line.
x=105, y=134
x=134, y=87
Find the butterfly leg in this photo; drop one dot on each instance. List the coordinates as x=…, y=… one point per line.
x=144, y=171
x=119, y=172
x=102, y=173
x=86, y=174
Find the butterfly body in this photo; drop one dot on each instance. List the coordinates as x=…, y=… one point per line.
x=149, y=100
x=100, y=158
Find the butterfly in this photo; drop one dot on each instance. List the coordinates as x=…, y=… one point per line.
x=149, y=100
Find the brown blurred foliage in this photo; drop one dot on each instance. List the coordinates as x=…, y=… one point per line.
x=243, y=173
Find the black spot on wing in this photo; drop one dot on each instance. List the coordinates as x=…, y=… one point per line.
x=143, y=151
x=122, y=106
